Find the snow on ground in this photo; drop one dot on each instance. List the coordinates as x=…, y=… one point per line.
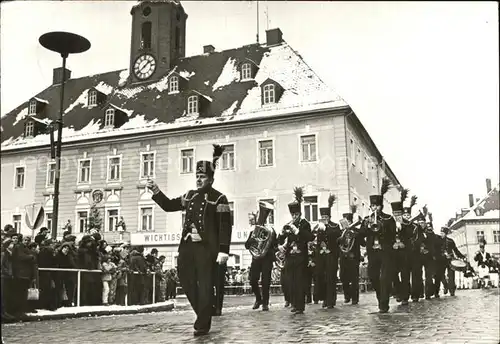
x=88, y=309
x=228, y=75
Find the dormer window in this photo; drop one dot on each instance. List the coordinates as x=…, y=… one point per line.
x=29, y=129
x=192, y=105
x=92, y=98
x=109, y=118
x=32, y=107
x=269, y=94
x=246, y=71
x=174, y=84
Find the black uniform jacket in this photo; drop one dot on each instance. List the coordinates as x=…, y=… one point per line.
x=300, y=240
x=386, y=235
x=447, y=248
x=329, y=236
x=273, y=246
x=480, y=260
x=215, y=228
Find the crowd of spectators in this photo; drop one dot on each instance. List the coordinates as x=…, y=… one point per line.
x=118, y=275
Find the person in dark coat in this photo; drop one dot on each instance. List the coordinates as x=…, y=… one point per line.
x=7, y=280
x=46, y=259
x=23, y=265
x=64, y=259
x=138, y=269
x=42, y=235
x=205, y=241
x=88, y=259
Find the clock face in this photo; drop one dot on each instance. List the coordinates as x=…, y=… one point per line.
x=144, y=66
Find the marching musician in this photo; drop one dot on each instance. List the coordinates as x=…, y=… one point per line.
x=423, y=256
x=205, y=241
x=350, y=258
x=326, y=257
x=410, y=232
x=402, y=252
x=311, y=273
x=447, y=250
x=294, y=241
x=263, y=255
x=380, y=231
x=483, y=260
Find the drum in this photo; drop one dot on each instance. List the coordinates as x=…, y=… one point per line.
x=458, y=265
x=483, y=272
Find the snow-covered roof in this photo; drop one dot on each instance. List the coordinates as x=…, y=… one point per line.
x=487, y=208
x=150, y=107
x=40, y=100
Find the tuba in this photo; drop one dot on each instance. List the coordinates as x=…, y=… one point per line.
x=262, y=235
x=348, y=237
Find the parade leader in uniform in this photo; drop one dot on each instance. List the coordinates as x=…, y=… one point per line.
x=205, y=241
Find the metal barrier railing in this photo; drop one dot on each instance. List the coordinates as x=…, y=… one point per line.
x=79, y=279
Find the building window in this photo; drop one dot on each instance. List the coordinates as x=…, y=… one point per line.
x=19, y=177
x=82, y=221
x=246, y=71
x=271, y=216
x=308, y=145
x=496, y=237
x=353, y=152
x=266, y=153
x=146, y=35
x=311, y=208
x=359, y=160
x=109, y=118
x=192, y=104
x=114, y=168
x=227, y=158
x=112, y=219
x=187, y=158
x=147, y=219
x=479, y=235
x=147, y=165
x=374, y=174
x=30, y=129
x=174, y=84
x=84, y=171
x=365, y=167
x=92, y=98
x=51, y=174
x=269, y=94
x=32, y=107
x=49, y=220
x=16, y=220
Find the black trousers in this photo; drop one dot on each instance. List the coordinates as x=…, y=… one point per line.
x=418, y=261
x=319, y=277
x=443, y=267
x=349, y=275
x=48, y=293
x=309, y=276
x=402, y=269
x=7, y=291
x=196, y=264
x=297, y=270
x=261, y=268
x=380, y=272
x=219, y=279
x=285, y=283
x=330, y=273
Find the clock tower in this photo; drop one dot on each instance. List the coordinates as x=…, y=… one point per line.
x=158, y=38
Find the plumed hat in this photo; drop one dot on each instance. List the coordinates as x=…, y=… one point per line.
x=208, y=167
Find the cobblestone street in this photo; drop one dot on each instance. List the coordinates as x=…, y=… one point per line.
x=472, y=316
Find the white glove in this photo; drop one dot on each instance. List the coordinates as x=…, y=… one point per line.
x=222, y=258
x=151, y=185
x=295, y=230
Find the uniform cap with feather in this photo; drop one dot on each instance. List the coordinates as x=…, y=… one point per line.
x=379, y=199
x=407, y=210
x=349, y=216
x=208, y=167
x=328, y=211
x=295, y=206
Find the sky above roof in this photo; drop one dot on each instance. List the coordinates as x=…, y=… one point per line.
x=422, y=77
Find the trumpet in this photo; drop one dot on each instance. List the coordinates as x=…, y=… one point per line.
x=290, y=227
x=373, y=223
x=280, y=254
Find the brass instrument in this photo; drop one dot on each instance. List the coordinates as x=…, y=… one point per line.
x=348, y=237
x=281, y=253
x=261, y=234
x=373, y=223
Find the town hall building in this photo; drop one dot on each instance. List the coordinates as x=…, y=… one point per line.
x=280, y=125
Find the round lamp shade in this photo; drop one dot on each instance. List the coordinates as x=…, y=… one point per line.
x=64, y=43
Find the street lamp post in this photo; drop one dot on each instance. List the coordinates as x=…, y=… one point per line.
x=64, y=43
